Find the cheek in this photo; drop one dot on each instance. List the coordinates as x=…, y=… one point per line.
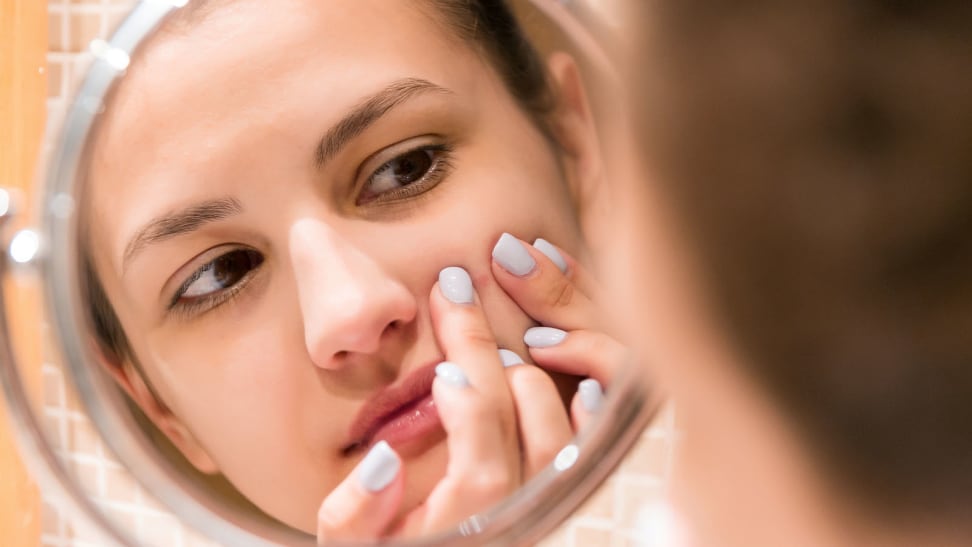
x=234, y=386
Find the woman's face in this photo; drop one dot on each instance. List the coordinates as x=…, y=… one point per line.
x=273, y=193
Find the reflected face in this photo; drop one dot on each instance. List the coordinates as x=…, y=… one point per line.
x=273, y=193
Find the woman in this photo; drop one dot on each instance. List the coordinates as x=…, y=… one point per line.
x=292, y=212
x=807, y=230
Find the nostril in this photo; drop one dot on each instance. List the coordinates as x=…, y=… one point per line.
x=340, y=355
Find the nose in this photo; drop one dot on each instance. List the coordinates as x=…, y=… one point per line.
x=347, y=300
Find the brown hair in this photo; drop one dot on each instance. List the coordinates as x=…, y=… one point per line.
x=820, y=155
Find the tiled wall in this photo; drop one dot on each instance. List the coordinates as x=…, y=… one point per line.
x=610, y=518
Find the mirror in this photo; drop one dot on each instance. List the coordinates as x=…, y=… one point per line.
x=285, y=241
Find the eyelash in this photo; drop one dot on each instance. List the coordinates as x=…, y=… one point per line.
x=202, y=304
x=441, y=167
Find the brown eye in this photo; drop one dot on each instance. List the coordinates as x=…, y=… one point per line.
x=402, y=171
x=222, y=273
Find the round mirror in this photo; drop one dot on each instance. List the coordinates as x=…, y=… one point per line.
x=322, y=271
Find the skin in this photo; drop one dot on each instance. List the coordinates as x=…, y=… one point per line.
x=262, y=387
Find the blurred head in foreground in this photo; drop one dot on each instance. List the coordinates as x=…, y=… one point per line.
x=802, y=264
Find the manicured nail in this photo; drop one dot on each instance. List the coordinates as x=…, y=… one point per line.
x=378, y=469
x=543, y=337
x=456, y=285
x=513, y=256
x=509, y=358
x=591, y=394
x=551, y=252
x=451, y=374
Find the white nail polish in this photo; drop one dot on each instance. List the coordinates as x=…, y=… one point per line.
x=456, y=285
x=509, y=358
x=379, y=468
x=551, y=252
x=512, y=256
x=451, y=374
x=591, y=395
x=543, y=337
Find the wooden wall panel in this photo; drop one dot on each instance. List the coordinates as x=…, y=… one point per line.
x=23, y=89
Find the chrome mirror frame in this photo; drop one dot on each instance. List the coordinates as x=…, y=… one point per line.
x=523, y=518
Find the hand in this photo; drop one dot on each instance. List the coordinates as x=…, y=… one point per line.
x=503, y=424
x=553, y=289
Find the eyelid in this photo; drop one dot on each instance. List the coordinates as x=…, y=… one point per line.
x=202, y=305
x=184, y=275
x=387, y=154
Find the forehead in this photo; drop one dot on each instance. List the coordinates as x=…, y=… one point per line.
x=255, y=55
x=248, y=70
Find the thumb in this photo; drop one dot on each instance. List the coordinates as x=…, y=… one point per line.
x=367, y=501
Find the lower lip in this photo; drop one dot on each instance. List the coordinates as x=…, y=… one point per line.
x=410, y=426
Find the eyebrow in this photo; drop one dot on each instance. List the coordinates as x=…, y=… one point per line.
x=368, y=112
x=337, y=137
x=180, y=222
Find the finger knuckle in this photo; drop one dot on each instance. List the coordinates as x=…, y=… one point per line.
x=477, y=334
x=492, y=482
x=560, y=294
x=531, y=380
x=595, y=344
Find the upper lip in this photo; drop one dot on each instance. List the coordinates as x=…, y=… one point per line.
x=387, y=403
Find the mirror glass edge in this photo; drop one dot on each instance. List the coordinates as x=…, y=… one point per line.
x=58, y=278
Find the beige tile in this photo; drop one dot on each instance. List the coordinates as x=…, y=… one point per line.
x=55, y=32
x=159, y=530
x=84, y=439
x=633, y=496
x=55, y=73
x=601, y=504
x=649, y=457
x=53, y=394
x=584, y=536
x=82, y=28
x=87, y=475
x=115, y=17
x=52, y=429
x=120, y=486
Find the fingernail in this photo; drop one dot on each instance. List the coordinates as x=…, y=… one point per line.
x=378, y=469
x=456, y=285
x=591, y=394
x=543, y=337
x=513, y=256
x=451, y=374
x=509, y=358
x=551, y=252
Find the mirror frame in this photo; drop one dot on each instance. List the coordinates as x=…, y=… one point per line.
x=538, y=507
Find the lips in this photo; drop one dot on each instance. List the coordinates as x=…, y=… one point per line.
x=400, y=415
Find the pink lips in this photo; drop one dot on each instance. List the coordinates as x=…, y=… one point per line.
x=398, y=415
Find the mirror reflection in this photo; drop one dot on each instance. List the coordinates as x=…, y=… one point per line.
x=334, y=255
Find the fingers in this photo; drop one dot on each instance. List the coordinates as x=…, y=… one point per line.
x=534, y=277
x=580, y=352
x=476, y=409
x=483, y=467
x=586, y=403
x=466, y=338
x=544, y=426
x=366, y=502
x=477, y=444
